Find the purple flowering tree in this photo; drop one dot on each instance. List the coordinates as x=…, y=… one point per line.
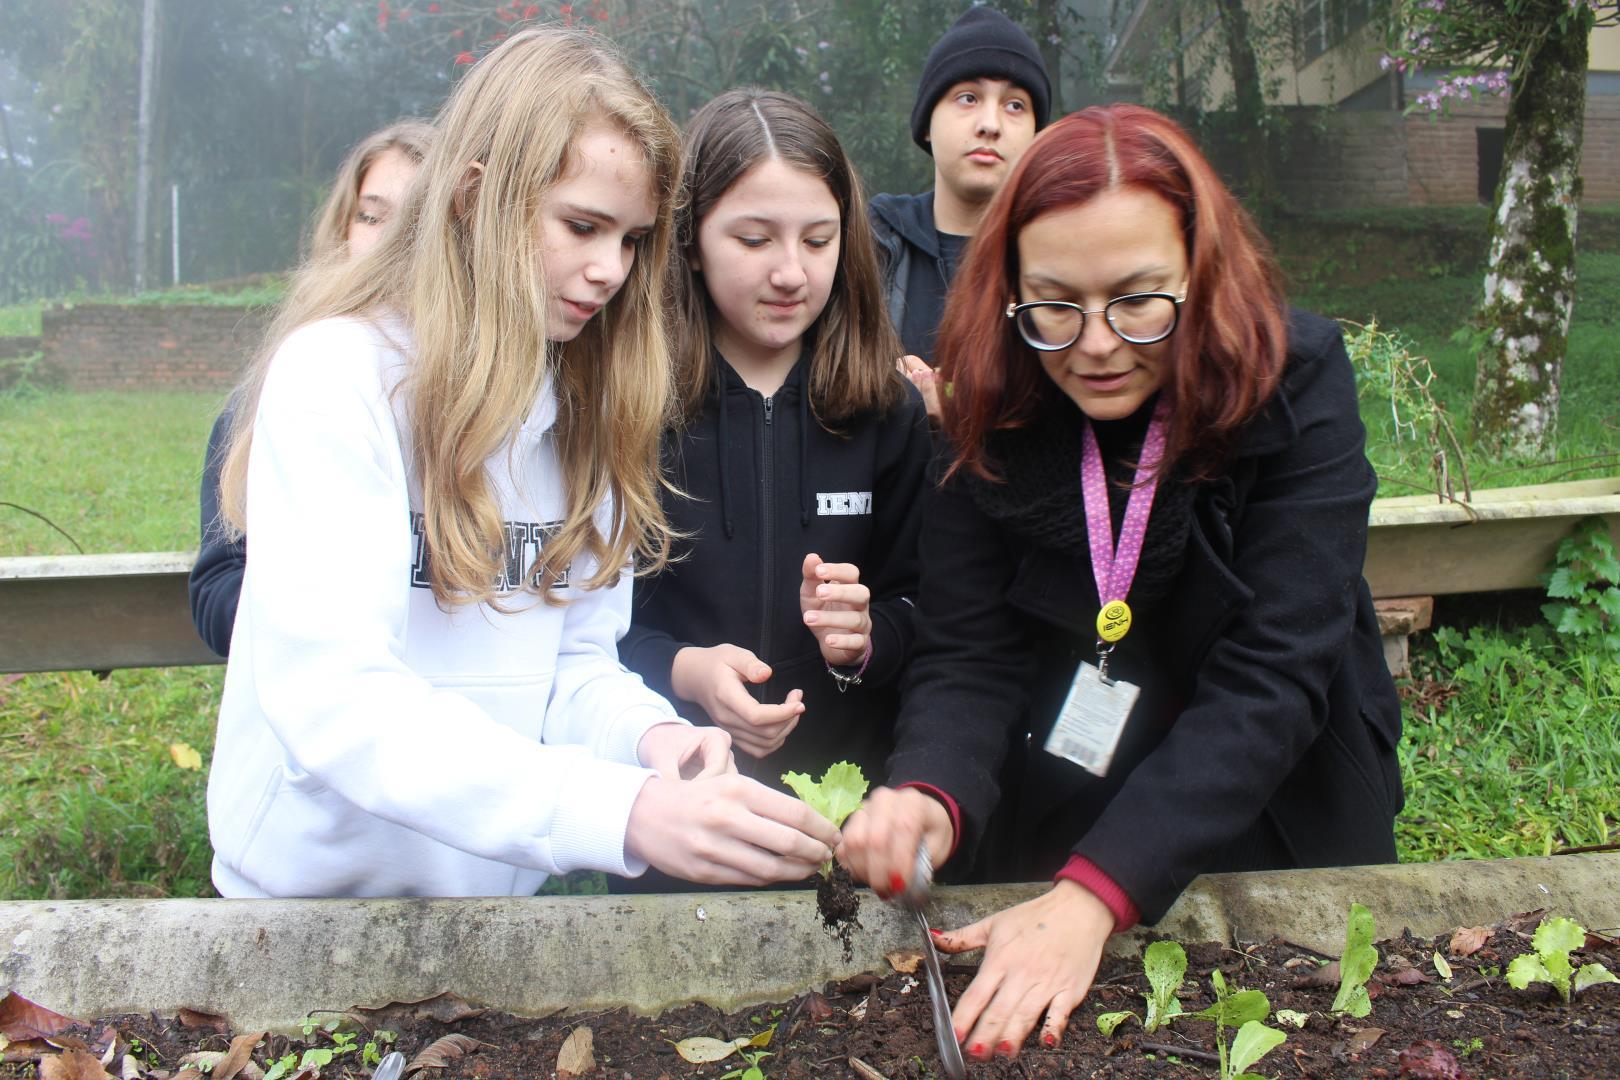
x=1534, y=52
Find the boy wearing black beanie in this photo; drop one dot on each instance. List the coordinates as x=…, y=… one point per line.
x=983, y=95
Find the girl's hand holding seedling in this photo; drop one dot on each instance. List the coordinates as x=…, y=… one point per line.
x=924, y=378
x=1039, y=957
x=880, y=839
x=727, y=830
x=684, y=752
x=836, y=609
x=717, y=679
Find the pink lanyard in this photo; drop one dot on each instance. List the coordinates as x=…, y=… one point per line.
x=1115, y=567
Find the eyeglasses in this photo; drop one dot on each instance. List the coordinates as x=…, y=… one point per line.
x=1138, y=318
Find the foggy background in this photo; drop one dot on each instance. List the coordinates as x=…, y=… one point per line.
x=255, y=103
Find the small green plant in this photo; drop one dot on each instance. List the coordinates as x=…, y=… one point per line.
x=751, y=1071
x=1423, y=439
x=836, y=796
x=1244, y=1010
x=1356, y=964
x=1585, y=587
x=1472, y=1046
x=1554, y=940
x=282, y=1066
x=371, y=1053
x=1165, y=964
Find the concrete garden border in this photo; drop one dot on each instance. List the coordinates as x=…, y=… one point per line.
x=267, y=963
x=1504, y=538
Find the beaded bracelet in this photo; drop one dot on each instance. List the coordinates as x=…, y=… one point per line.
x=846, y=681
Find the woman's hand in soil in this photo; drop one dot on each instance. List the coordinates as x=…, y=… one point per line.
x=680, y=751
x=727, y=830
x=1039, y=957
x=880, y=839
x=836, y=610
x=717, y=679
x=924, y=378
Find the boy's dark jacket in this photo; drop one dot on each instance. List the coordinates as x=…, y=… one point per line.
x=753, y=514
x=1268, y=722
x=903, y=226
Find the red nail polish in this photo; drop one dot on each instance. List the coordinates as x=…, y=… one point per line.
x=977, y=1050
x=936, y=932
x=896, y=883
x=1005, y=1049
x=1049, y=1039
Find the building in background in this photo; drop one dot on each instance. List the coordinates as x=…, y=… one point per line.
x=1349, y=141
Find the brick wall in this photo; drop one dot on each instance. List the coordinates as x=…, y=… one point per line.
x=1339, y=159
x=1377, y=157
x=135, y=347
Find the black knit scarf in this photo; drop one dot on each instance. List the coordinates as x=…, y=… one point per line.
x=1039, y=497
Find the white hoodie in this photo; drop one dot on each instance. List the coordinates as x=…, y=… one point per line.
x=370, y=743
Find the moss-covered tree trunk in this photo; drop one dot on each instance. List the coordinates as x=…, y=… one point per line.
x=1530, y=275
x=1248, y=105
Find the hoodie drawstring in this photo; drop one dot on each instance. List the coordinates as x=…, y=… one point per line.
x=723, y=449
x=804, y=453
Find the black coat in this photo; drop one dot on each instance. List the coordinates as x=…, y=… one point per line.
x=767, y=485
x=215, y=584
x=1265, y=735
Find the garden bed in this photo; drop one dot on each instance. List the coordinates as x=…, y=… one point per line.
x=1454, y=1018
x=735, y=965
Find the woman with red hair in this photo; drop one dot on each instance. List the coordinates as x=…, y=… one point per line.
x=1145, y=649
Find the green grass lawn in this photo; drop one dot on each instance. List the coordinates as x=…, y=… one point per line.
x=116, y=471
x=1512, y=740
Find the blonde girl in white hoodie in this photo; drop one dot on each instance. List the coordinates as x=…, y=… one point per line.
x=447, y=457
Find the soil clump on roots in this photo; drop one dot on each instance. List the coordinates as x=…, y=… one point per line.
x=839, y=906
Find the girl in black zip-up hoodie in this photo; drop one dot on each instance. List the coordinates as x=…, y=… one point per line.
x=799, y=461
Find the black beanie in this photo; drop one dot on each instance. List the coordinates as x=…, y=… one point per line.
x=982, y=44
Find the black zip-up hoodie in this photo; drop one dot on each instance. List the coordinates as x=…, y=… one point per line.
x=767, y=485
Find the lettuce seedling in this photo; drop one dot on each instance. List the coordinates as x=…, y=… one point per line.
x=1165, y=964
x=1243, y=1010
x=1356, y=964
x=1253, y=1041
x=1554, y=940
x=835, y=797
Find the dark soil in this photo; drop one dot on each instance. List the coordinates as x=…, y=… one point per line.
x=1472, y=1026
x=839, y=905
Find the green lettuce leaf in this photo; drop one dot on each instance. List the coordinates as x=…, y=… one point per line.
x=836, y=796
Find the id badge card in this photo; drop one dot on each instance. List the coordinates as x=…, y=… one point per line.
x=1093, y=717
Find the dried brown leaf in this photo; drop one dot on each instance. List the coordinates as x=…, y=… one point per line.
x=1326, y=975
x=201, y=1019
x=72, y=1065
x=68, y=1042
x=1428, y=1060
x=1524, y=922
x=577, y=1057
x=817, y=1006
x=1406, y=976
x=1468, y=940
x=240, y=1054
x=865, y=1071
x=194, y=1074
x=905, y=961
x=24, y=1050
x=21, y=1019
x=1364, y=1040
x=129, y=1068
x=443, y=1052
x=443, y=1008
